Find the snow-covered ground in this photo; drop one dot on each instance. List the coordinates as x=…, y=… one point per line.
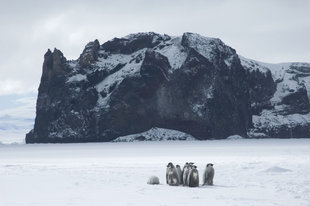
x=247, y=172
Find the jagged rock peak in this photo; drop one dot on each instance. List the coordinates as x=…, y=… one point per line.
x=54, y=68
x=56, y=52
x=134, y=42
x=90, y=53
x=47, y=53
x=54, y=58
x=92, y=45
x=153, y=35
x=211, y=48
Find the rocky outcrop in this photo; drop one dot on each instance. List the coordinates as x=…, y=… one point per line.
x=134, y=42
x=90, y=54
x=193, y=84
x=125, y=86
x=296, y=101
x=261, y=85
x=287, y=114
x=156, y=134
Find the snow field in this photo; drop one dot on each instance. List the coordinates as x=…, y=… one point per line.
x=247, y=172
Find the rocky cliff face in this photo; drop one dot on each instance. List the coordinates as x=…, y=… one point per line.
x=193, y=84
x=283, y=100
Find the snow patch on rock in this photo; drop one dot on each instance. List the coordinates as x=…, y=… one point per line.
x=287, y=85
x=277, y=70
x=109, y=62
x=77, y=78
x=131, y=68
x=252, y=65
x=73, y=64
x=156, y=36
x=174, y=51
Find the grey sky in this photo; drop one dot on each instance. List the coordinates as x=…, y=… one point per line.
x=265, y=30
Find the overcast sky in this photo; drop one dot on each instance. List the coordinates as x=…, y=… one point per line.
x=265, y=30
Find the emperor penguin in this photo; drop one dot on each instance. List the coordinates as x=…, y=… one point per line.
x=172, y=177
x=208, y=175
x=179, y=171
x=193, y=177
x=185, y=173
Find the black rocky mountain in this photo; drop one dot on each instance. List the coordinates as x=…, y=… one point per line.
x=193, y=84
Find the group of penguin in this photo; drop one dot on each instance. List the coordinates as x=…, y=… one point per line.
x=189, y=176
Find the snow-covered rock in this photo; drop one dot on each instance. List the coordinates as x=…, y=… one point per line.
x=77, y=78
x=208, y=47
x=286, y=113
x=234, y=137
x=190, y=83
x=153, y=180
x=131, y=84
x=156, y=134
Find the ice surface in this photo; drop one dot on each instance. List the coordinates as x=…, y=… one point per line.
x=247, y=172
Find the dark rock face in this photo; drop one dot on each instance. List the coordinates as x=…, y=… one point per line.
x=208, y=103
x=133, y=102
x=261, y=88
x=297, y=101
x=61, y=110
x=289, y=131
x=129, y=85
x=261, y=85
